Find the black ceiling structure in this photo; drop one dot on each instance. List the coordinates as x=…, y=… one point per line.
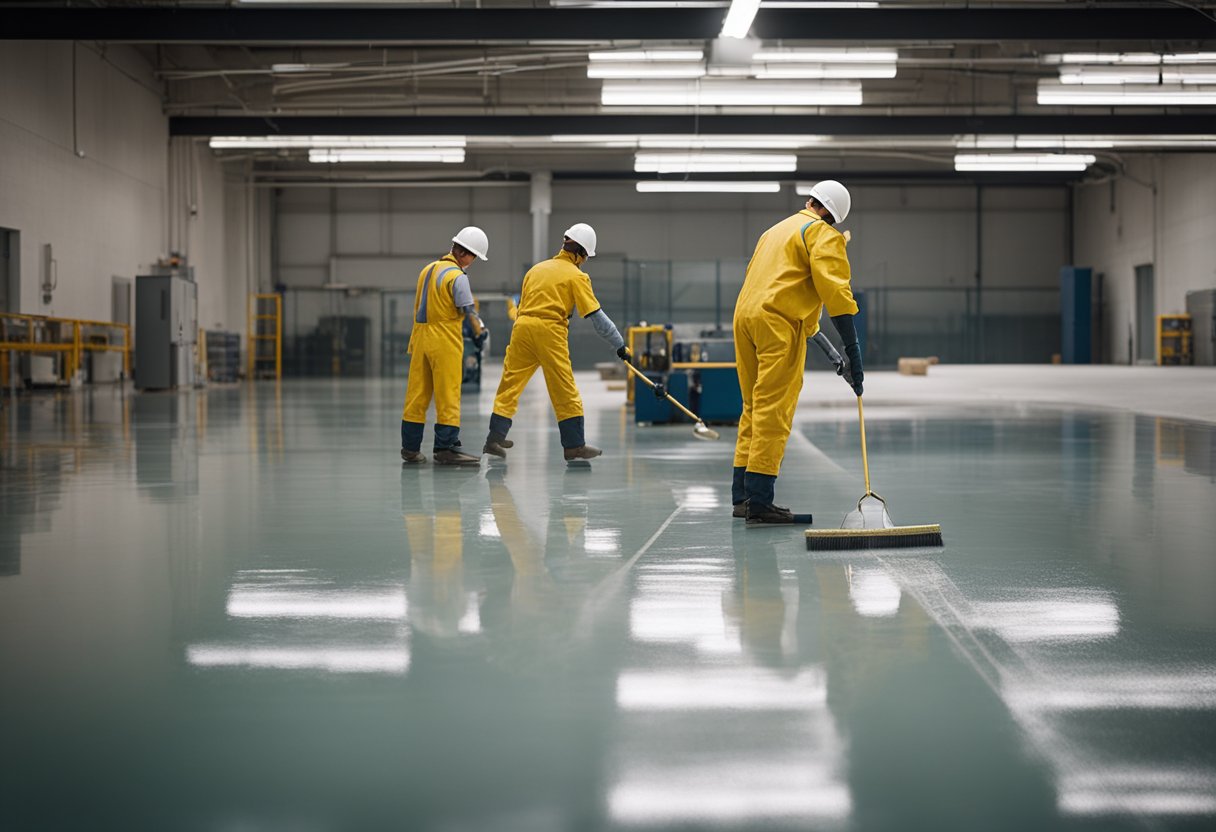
x=399, y=25
x=836, y=125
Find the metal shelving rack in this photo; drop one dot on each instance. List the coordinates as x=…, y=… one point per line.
x=265, y=336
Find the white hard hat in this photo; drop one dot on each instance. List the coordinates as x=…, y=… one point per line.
x=473, y=239
x=833, y=196
x=584, y=235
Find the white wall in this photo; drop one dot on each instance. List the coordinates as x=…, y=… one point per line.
x=915, y=235
x=904, y=237
x=98, y=199
x=103, y=188
x=1121, y=225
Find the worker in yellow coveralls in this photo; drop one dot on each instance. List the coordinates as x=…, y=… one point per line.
x=552, y=291
x=442, y=306
x=800, y=267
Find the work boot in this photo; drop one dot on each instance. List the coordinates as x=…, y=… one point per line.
x=497, y=445
x=451, y=456
x=762, y=515
x=740, y=510
x=412, y=457
x=581, y=452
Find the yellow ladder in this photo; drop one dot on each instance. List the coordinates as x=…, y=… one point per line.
x=265, y=336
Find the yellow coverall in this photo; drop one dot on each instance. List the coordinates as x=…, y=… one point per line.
x=799, y=267
x=437, y=356
x=552, y=291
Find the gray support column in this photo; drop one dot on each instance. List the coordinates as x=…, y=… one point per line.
x=542, y=206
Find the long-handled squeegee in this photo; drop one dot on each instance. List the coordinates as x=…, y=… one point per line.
x=700, y=429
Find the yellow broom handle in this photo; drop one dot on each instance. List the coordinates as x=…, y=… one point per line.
x=865, y=461
x=669, y=397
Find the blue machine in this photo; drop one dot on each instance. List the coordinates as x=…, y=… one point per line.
x=700, y=374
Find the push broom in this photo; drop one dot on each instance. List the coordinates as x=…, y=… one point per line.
x=870, y=526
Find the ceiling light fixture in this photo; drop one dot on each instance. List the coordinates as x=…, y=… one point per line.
x=824, y=71
x=1114, y=95
x=739, y=18
x=827, y=56
x=339, y=155
x=1029, y=162
x=308, y=142
x=646, y=69
x=727, y=142
x=728, y=92
x=655, y=55
x=709, y=187
x=714, y=162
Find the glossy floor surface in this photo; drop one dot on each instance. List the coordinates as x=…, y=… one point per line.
x=235, y=610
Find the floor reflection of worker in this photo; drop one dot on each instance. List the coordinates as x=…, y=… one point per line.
x=756, y=605
x=534, y=602
x=931, y=747
x=553, y=290
x=799, y=267
x=438, y=600
x=443, y=306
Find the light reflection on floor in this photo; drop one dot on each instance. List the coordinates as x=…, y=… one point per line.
x=236, y=604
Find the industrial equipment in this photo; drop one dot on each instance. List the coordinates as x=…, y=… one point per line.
x=166, y=329
x=697, y=368
x=1173, y=339
x=223, y=351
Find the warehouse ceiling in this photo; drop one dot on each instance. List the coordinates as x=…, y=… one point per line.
x=587, y=88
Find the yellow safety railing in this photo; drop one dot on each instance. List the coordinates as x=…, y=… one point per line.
x=69, y=338
x=264, y=308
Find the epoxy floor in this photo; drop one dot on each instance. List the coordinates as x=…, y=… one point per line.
x=235, y=610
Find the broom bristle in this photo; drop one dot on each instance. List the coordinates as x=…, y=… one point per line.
x=899, y=537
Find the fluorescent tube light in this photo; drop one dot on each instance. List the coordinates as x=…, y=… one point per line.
x=1109, y=75
x=739, y=18
x=709, y=187
x=273, y=142
x=728, y=92
x=1081, y=142
x=387, y=154
x=1190, y=58
x=655, y=55
x=646, y=69
x=826, y=56
x=822, y=71
x=1052, y=92
x=714, y=162
x=727, y=142
x=1104, y=58
x=1022, y=162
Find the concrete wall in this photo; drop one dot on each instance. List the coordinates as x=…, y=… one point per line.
x=1162, y=212
x=904, y=237
x=86, y=166
x=93, y=185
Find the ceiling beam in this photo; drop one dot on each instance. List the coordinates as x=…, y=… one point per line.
x=399, y=25
x=834, y=125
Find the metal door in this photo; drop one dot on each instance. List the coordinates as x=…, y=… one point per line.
x=1146, y=315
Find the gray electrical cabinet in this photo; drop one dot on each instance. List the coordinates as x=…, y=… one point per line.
x=1201, y=306
x=166, y=331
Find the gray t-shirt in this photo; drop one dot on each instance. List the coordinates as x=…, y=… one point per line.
x=462, y=295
